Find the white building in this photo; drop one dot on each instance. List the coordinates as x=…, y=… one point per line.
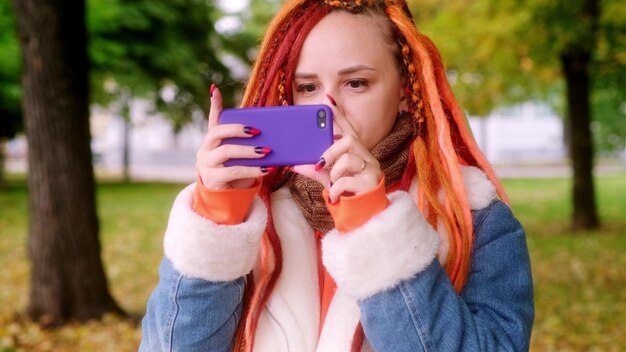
x=523, y=134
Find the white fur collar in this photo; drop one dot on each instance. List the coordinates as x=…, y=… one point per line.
x=203, y=249
x=480, y=191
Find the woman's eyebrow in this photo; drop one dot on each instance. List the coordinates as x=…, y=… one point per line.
x=354, y=68
x=343, y=71
x=305, y=75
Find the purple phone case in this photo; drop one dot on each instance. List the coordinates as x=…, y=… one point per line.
x=292, y=132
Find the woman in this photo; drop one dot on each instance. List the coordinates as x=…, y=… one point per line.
x=394, y=241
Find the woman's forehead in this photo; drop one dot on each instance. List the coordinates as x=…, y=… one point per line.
x=343, y=39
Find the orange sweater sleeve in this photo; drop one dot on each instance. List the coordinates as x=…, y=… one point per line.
x=224, y=206
x=350, y=212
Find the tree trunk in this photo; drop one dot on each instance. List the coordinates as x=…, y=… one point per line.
x=576, y=60
x=67, y=278
x=576, y=69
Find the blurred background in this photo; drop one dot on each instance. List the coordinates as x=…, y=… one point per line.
x=542, y=82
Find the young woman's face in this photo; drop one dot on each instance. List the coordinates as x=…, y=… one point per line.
x=347, y=57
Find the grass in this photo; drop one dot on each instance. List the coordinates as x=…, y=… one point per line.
x=579, y=278
x=132, y=219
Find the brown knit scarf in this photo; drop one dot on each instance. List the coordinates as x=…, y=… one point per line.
x=392, y=153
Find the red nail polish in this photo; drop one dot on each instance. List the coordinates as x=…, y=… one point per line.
x=332, y=101
x=267, y=169
x=320, y=164
x=212, y=89
x=251, y=131
x=262, y=150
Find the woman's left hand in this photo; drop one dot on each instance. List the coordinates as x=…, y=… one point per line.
x=348, y=167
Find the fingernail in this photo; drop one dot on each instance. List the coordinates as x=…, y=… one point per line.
x=332, y=101
x=212, y=89
x=320, y=164
x=333, y=201
x=251, y=131
x=262, y=150
x=267, y=169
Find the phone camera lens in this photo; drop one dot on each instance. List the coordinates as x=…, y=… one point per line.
x=321, y=118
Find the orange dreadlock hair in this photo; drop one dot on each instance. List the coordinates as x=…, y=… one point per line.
x=443, y=142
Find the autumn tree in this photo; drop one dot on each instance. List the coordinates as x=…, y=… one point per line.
x=136, y=50
x=67, y=276
x=568, y=53
x=141, y=48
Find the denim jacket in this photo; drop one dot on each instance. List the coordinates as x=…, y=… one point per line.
x=417, y=310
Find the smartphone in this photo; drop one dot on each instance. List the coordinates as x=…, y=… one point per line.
x=297, y=134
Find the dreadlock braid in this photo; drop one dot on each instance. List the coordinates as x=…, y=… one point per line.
x=281, y=58
x=356, y=6
x=351, y=6
x=438, y=153
x=416, y=105
x=447, y=144
x=287, y=35
x=274, y=36
x=281, y=89
x=266, y=61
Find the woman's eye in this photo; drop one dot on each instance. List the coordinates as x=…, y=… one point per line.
x=357, y=83
x=306, y=88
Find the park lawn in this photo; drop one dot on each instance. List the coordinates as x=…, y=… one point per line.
x=579, y=278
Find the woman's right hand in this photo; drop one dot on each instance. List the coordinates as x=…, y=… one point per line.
x=212, y=154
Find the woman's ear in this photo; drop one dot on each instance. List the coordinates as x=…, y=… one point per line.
x=405, y=95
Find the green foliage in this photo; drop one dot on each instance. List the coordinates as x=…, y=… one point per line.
x=137, y=48
x=144, y=46
x=609, y=95
x=579, y=278
x=501, y=52
x=485, y=61
x=10, y=91
x=255, y=18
